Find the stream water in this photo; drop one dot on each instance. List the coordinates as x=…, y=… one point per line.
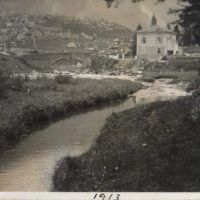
x=30, y=165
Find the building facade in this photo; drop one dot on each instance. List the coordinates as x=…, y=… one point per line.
x=155, y=42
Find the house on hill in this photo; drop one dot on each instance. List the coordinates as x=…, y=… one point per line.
x=155, y=42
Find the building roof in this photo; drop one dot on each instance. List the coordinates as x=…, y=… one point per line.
x=155, y=29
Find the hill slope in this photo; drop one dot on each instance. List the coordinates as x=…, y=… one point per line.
x=56, y=32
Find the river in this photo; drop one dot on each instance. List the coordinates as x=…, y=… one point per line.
x=30, y=165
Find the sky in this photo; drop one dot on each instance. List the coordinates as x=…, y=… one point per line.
x=127, y=13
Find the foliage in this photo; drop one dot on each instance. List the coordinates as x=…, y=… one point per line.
x=100, y=63
x=154, y=21
x=133, y=45
x=16, y=83
x=147, y=149
x=46, y=99
x=189, y=19
x=139, y=27
x=110, y=2
x=169, y=27
x=3, y=82
x=9, y=83
x=63, y=79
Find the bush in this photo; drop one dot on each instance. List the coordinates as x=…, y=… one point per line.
x=164, y=58
x=10, y=83
x=100, y=63
x=3, y=84
x=3, y=87
x=195, y=111
x=16, y=83
x=193, y=85
x=63, y=79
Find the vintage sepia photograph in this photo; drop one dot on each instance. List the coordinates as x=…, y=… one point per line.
x=99, y=96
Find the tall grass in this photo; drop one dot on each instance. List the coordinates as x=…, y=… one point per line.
x=147, y=149
x=30, y=102
x=63, y=79
x=2, y=87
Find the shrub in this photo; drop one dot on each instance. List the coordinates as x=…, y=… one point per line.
x=195, y=111
x=63, y=79
x=3, y=84
x=3, y=87
x=164, y=58
x=16, y=83
x=42, y=84
x=100, y=63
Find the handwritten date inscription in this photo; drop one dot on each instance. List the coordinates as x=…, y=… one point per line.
x=103, y=196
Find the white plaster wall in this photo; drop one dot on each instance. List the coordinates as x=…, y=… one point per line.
x=150, y=48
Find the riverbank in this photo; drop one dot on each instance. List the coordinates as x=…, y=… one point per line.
x=154, y=147
x=184, y=73
x=26, y=104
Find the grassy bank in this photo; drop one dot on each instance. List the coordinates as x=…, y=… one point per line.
x=149, y=148
x=182, y=73
x=26, y=103
x=177, y=76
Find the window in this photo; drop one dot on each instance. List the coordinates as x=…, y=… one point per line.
x=170, y=52
x=144, y=40
x=159, y=40
x=159, y=51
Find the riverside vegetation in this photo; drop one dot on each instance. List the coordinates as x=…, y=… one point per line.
x=25, y=104
x=154, y=147
x=150, y=148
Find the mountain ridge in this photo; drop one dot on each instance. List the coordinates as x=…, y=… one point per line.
x=126, y=13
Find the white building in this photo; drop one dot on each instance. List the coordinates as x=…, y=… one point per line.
x=155, y=42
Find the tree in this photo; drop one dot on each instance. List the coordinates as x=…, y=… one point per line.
x=178, y=34
x=139, y=27
x=133, y=45
x=109, y=2
x=189, y=18
x=154, y=21
x=134, y=42
x=169, y=27
x=176, y=29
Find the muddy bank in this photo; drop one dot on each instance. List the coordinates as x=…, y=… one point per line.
x=21, y=113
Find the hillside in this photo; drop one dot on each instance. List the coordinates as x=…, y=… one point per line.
x=127, y=13
x=11, y=64
x=57, y=32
